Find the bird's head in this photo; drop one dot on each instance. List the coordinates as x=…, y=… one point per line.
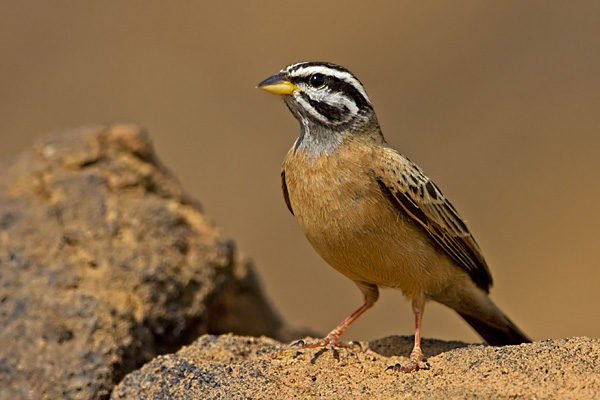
x=325, y=98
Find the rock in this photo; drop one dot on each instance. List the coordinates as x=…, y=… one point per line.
x=105, y=262
x=233, y=367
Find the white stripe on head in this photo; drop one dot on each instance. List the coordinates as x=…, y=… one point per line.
x=322, y=69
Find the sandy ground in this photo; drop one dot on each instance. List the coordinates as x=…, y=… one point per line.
x=241, y=367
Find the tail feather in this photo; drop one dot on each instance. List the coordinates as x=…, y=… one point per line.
x=475, y=307
x=497, y=335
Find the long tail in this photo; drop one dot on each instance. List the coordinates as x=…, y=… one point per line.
x=496, y=335
x=475, y=307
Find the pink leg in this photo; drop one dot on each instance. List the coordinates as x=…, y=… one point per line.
x=416, y=355
x=371, y=294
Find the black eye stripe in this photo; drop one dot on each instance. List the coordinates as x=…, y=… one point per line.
x=337, y=85
x=332, y=113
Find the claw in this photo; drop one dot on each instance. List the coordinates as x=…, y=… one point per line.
x=411, y=366
x=394, y=368
x=330, y=342
x=299, y=343
x=355, y=344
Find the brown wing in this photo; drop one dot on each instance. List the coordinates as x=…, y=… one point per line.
x=408, y=188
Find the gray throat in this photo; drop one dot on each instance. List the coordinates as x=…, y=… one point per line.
x=315, y=140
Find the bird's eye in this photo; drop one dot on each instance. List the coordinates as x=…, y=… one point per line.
x=317, y=80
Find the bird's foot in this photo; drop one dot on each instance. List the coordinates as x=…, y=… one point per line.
x=411, y=366
x=332, y=341
x=416, y=362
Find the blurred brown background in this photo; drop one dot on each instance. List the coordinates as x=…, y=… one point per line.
x=497, y=101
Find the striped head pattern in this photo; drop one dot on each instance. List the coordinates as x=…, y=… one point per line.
x=322, y=95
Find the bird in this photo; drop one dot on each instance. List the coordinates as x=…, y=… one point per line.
x=374, y=215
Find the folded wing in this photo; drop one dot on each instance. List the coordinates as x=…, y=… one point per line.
x=407, y=187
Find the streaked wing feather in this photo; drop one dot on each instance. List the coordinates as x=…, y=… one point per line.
x=418, y=196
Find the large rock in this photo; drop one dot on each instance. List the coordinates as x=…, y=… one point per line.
x=232, y=367
x=105, y=262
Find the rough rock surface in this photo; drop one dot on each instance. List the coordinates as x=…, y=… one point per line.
x=233, y=367
x=105, y=263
